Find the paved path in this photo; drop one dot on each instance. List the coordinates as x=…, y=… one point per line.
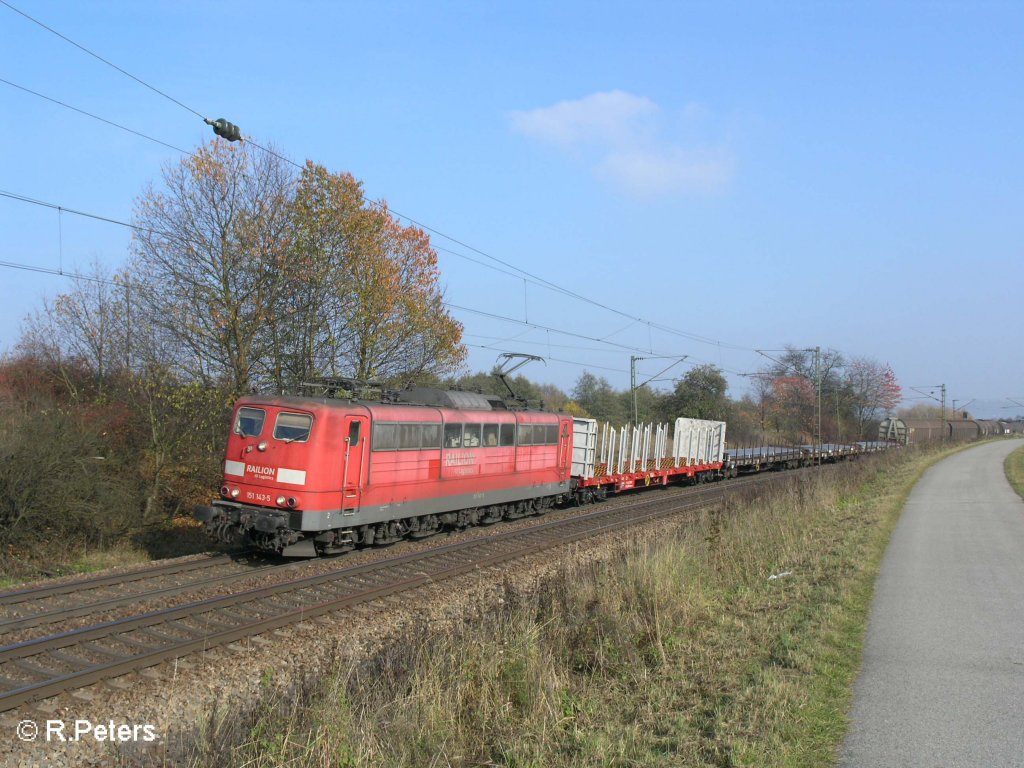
x=943, y=678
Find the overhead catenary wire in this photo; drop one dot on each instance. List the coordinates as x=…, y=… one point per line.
x=59, y=272
x=67, y=39
x=136, y=227
x=546, y=283
x=110, y=220
x=94, y=116
x=690, y=360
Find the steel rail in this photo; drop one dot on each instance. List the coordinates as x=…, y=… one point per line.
x=60, y=614
x=510, y=545
x=13, y=597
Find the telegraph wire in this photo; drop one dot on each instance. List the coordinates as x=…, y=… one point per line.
x=560, y=360
x=59, y=273
x=63, y=209
x=383, y=206
x=507, y=319
x=100, y=58
x=136, y=227
x=537, y=280
x=95, y=117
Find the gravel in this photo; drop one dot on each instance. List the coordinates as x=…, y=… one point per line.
x=174, y=696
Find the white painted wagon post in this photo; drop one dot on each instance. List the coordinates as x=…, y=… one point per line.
x=645, y=435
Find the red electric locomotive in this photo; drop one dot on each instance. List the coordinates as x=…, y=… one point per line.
x=308, y=475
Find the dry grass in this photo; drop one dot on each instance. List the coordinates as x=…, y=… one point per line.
x=48, y=559
x=733, y=641
x=1014, y=468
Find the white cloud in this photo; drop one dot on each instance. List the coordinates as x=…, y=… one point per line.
x=622, y=137
x=614, y=117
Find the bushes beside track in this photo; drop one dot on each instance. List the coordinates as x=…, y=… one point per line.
x=87, y=468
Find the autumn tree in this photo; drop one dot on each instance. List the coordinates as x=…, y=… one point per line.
x=397, y=326
x=255, y=279
x=309, y=334
x=209, y=260
x=874, y=391
x=794, y=399
x=82, y=328
x=103, y=364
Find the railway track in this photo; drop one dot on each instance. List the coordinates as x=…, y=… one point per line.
x=47, y=604
x=46, y=666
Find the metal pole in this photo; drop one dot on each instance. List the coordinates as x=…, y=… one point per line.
x=632, y=382
x=943, y=413
x=817, y=375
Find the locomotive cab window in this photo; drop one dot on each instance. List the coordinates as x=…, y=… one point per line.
x=293, y=427
x=249, y=422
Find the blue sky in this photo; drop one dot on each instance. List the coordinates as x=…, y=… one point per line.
x=844, y=175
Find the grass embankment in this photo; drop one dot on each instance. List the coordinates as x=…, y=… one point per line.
x=48, y=559
x=1014, y=468
x=734, y=640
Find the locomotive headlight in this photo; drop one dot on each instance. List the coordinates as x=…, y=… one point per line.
x=280, y=501
x=225, y=491
x=293, y=502
x=263, y=445
x=234, y=493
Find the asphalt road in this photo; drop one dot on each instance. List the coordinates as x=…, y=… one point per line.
x=943, y=679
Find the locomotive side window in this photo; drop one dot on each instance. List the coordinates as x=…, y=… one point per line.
x=471, y=436
x=249, y=422
x=526, y=434
x=293, y=427
x=507, y=435
x=431, y=435
x=353, y=433
x=490, y=435
x=452, y=435
x=551, y=434
x=385, y=437
x=409, y=436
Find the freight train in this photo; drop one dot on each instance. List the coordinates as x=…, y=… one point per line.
x=308, y=476
x=917, y=431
